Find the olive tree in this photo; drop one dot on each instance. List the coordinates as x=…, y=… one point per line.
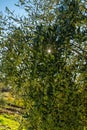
x=44, y=60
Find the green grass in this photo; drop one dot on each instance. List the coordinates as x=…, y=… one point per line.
x=8, y=122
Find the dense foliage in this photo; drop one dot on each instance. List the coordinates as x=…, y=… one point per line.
x=44, y=60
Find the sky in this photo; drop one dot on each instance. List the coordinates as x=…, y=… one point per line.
x=11, y=6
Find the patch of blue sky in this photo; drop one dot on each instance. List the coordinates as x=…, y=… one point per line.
x=11, y=5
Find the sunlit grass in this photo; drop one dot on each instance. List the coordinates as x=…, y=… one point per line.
x=8, y=122
x=10, y=119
